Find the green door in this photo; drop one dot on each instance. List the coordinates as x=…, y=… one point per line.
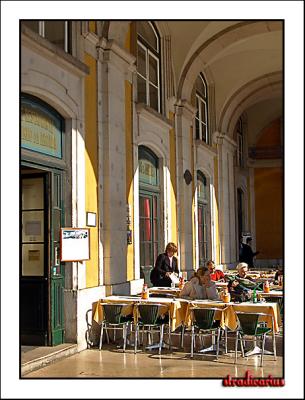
x=57, y=268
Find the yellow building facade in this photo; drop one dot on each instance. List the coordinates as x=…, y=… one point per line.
x=161, y=140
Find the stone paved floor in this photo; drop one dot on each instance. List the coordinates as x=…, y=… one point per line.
x=113, y=363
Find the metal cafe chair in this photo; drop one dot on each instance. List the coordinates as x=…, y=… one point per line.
x=250, y=329
x=114, y=320
x=150, y=321
x=88, y=333
x=203, y=324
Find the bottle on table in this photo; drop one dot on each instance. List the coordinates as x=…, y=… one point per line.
x=145, y=292
x=266, y=287
x=254, y=296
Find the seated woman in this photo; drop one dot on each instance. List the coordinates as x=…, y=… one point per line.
x=200, y=286
x=241, y=286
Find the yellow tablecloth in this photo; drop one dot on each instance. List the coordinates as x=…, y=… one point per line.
x=267, y=308
x=272, y=293
x=175, y=307
x=179, y=310
x=165, y=290
x=225, y=315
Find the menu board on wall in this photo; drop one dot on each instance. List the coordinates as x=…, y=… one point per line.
x=75, y=244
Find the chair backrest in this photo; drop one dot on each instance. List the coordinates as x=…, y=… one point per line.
x=112, y=313
x=248, y=322
x=148, y=313
x=203, y=317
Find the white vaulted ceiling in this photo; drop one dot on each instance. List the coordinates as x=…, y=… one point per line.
x=242, y=59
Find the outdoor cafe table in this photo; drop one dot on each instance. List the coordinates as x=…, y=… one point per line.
x=165, y=290
x=176, y=308
x=272, y=318
x=272, y=293
x=272, y=309
x=225, y=314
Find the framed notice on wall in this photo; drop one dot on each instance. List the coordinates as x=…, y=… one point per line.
x=75, y=244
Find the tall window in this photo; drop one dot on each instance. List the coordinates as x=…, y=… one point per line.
x=240, y=143
x=202, y=198
x=201, y=119
x=240, y=212
x=57, y=32
x=148, y=65
x=149, y=206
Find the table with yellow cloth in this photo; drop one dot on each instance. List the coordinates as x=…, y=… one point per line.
x=272, y=293
x=225, y=315
x=165, y=290
x=272, y=309
x=176, y=308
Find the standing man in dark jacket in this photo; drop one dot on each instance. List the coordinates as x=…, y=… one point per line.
x=166, y=264
x=247, y=254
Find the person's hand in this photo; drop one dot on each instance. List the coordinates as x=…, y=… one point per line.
x=168, y=274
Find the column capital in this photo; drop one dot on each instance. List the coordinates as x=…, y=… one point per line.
x=184, y=108
x=108, y=48
x=222, y=138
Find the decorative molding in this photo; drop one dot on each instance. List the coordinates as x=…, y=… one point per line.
x=107, y=45
x=203, y=147
x=224, y=139
x=183, y=107
x=153, y=116
x=52, y=52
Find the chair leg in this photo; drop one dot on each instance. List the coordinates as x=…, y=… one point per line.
x=274, y=344
x=242, y=347
x=263, y=348
x=150, y=336
x=226, y=339
x=107, y=335
x=169, y=337
x=192, y=342
x=217, y=343
x=161, y=338
x=101, y=336
x=236, y=344
x=124, y=337
x=182, y=335
x=136, y=338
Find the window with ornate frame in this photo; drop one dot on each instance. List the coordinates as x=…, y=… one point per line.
x=57, y=32
x=149, y=206
x=148, y=65
x=201, y=118
x=202, y=211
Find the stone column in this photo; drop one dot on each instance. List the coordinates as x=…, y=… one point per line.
x=114, y=69
x=226, y=189
x=185, y=184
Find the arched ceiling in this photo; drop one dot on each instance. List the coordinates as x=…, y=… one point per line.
x=242, y=59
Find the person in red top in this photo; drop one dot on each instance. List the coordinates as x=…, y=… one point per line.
x=216, y=274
